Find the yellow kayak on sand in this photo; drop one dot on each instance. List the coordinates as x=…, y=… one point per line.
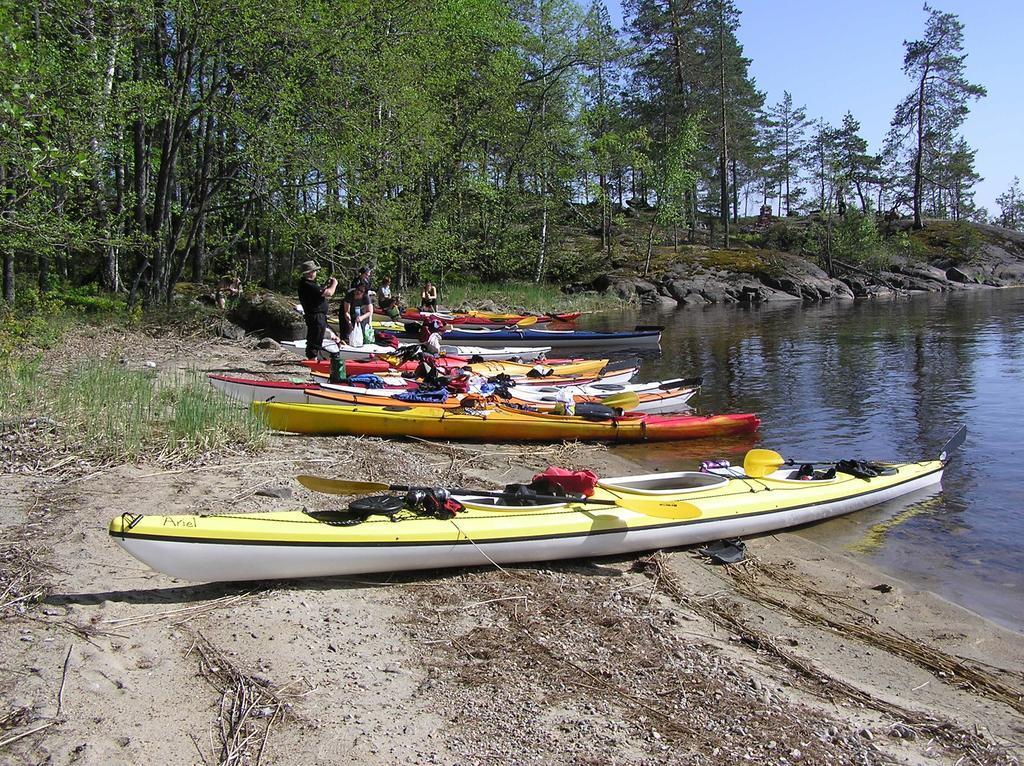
x=625, y=514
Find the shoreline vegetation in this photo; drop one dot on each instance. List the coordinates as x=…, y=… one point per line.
x=772, y=264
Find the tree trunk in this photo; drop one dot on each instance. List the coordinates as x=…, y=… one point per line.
x=919, y=154
x=650, y=247
x=9, y=276
x=735, y=193
x=860, y=194
x=723, y=163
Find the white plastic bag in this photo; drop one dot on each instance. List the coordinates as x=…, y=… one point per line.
x=567, y=401
x=355, y=338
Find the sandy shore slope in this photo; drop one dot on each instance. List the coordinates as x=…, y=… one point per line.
x=799, y=655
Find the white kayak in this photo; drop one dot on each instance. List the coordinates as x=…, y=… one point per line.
x=370, y=350
x=294, y=391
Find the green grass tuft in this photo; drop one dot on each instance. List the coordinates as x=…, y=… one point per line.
x=523, y=296
x=107, y=411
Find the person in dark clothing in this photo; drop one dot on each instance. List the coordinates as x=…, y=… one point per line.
x=363, y=278
x=428, y=297
x=355, y=313
x=313, y=298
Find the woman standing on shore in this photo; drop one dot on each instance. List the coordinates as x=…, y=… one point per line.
x=355, y=317
x=428, y=298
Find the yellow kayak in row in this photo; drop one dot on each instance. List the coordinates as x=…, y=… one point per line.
x=624, y=514
x=495, y=423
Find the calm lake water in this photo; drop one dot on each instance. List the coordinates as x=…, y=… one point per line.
x=879, y=379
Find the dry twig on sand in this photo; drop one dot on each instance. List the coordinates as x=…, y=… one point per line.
x=182, y=614
x=249, y=707
x=19, y=570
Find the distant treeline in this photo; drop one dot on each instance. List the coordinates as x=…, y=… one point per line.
x=147, y=142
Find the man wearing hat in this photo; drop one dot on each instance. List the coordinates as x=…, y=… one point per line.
x=313, y=298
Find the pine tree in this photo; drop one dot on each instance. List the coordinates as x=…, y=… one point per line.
x=788, y=124
x=823, y=159
x=857, y=166
x=1011, y=205
x=931, y=114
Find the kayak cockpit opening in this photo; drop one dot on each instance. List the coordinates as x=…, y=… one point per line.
x=804, y=474
x=663, y=483
x=519, y=504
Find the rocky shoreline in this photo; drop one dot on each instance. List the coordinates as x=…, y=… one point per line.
x=998, y=261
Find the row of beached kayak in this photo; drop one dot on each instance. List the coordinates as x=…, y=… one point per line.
x=561, y=514
x=606, y=411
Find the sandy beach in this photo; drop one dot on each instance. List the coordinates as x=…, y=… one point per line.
x=798, y=655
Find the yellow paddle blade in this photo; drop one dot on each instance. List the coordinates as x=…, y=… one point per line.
x=526, y=322
x=624, y=400
x=663, y=509
x=761, y=462
x=341, y=486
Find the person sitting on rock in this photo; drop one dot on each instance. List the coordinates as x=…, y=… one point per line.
x=228, y=288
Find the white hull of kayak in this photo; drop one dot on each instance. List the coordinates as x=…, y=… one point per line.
x=254, y=391
x=368, y=350
x=208, y=561
x=248, y=391
x=561, y=338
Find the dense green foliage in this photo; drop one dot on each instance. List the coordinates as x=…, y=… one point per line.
x=148, y=142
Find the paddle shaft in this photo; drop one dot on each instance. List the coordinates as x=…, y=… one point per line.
x=759, y=463
x=672, y=509
x=498, y=494
x=343, y=487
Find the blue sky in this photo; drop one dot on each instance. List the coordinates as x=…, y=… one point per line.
x=838, y=57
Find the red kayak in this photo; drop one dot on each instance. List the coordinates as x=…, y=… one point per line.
x=457, y=319
x=378, y=366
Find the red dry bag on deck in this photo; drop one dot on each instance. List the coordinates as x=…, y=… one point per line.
x=384, y=338
x=573, y=482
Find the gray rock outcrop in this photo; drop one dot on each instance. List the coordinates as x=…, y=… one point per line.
x=997, y=262
x=269, y=314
